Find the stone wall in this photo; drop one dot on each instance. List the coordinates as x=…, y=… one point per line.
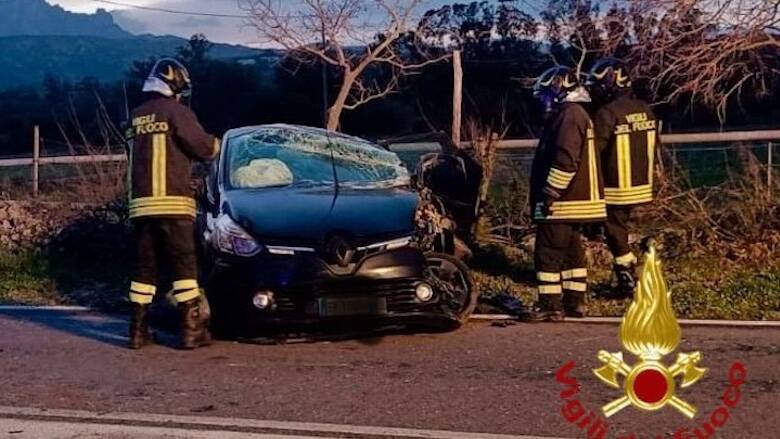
x=30, y=225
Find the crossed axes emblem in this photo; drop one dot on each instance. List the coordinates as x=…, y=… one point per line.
x=649, y=384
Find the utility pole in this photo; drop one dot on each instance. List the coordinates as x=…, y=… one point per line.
x=36, y=158
x=769, y=167
x=457, y=97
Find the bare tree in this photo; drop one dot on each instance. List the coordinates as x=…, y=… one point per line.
x=351, y=36
x=709, y=50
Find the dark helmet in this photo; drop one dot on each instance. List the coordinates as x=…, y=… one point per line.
x=607, y=77
x=554, y=84
x=173, y=74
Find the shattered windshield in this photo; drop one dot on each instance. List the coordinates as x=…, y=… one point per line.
x=281, y=155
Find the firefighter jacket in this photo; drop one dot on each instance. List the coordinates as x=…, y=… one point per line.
x=566, y=163
x=627, y=136
x=165, y=138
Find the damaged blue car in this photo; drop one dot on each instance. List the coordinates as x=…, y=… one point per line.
x=301, y=226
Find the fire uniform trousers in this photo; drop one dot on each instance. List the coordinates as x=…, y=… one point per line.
x=566, y=163
x=627, y=136
x=165, y=138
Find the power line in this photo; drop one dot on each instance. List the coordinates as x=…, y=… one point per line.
x=169, y=11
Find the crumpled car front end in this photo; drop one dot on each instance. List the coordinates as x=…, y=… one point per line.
x=315, y=227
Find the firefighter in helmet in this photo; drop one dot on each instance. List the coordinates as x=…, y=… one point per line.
x=627, y=136
x=165, y=137
x=566, y=193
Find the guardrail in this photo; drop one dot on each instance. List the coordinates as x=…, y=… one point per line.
x=670, y=140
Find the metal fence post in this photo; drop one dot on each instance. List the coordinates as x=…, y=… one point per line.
x=36, y=158
x=769, y=167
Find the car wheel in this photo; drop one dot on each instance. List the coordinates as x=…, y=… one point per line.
x=451, y=278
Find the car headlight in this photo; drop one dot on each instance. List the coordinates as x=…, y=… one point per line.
x=231, y=238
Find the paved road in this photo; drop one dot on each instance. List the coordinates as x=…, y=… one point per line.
x=481, y=379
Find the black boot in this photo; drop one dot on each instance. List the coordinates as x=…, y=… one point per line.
x=140, y=335
x=626, y=281
x=548, y=309
x=194, y=325
x=574, y=304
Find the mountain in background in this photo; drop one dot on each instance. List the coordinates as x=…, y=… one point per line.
x=37, y=39
x=36, y=17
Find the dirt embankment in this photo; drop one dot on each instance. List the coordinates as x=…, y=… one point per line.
x=29, y=225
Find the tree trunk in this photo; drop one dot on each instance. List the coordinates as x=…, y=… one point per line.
x=334, y=112
x=457, y=97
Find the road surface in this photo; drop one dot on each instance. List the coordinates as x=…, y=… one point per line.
x=483, y=380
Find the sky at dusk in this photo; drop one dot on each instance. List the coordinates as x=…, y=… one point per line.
x=227, y=30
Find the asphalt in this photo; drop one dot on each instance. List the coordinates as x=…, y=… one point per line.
x=480, y=379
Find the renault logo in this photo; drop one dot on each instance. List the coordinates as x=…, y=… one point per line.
x=340, y=251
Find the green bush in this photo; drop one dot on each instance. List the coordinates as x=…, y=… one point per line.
x=25, y=280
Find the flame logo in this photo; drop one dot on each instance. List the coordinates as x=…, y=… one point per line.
x=650, y=331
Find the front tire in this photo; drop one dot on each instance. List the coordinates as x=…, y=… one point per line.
x=452, y=279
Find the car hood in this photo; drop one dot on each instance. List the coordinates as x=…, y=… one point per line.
x=310, y=216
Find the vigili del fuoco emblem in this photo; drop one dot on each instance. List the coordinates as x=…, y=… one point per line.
x=650, y=331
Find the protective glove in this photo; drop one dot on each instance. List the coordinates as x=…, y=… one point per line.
x=549, y=196
x=594, y=231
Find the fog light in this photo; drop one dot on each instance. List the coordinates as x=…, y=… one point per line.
x=263, y=300
x=424, y=292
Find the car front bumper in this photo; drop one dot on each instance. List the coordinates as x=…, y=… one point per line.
x=303, y=289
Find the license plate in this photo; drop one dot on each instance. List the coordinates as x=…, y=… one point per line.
x=352, y=306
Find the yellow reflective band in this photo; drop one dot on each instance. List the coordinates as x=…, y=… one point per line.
x=159, y=179
x=624, y=160
x=636, y=190
x=626, y=260
x=556, y=184
x=143, y=288
x=172, y=205
x=186, y=296
x=575, y=286
x=550, y=289
x=130, y=172
x=580, y=203
x=635, y=195
x=573, y=210
x=651, y=138
x=151, y=201
x=548, y=277
x=141, y=299
x=185, y=284
x=162, y=211
x=630, y=201
x=575, y=273
x=562, y=175
x=571, y=216
x=593, y=176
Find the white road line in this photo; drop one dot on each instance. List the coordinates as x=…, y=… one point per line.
x=62, y=430
x=44, y=308
x=263, y=429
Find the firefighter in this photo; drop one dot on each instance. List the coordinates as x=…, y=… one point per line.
x=165, y=139
x=627, y=136
x=566, y=193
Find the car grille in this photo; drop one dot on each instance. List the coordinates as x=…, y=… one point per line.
x=399, y=294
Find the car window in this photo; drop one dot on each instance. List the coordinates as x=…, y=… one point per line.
x=280, y=157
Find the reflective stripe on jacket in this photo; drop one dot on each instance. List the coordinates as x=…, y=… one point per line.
x=166, y=137
x=567, y=161
x=627, y=136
